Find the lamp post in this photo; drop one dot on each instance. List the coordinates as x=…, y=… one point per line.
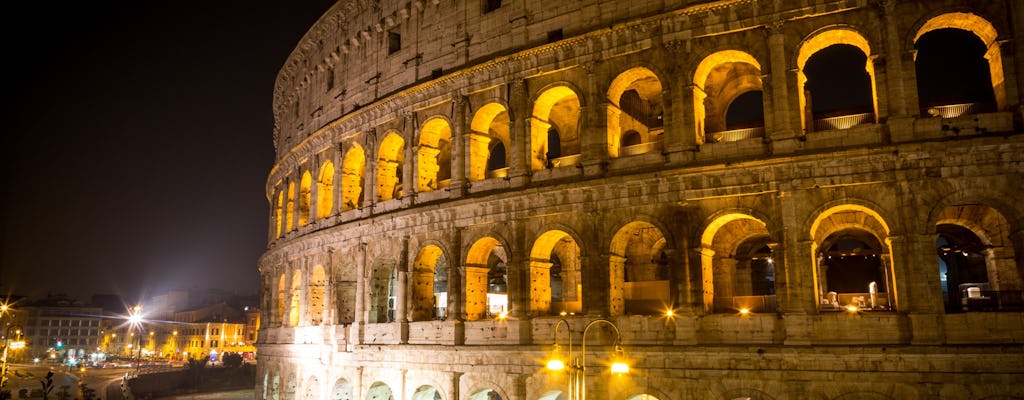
x=17, y=343
x=135, y=321
x=577, y=364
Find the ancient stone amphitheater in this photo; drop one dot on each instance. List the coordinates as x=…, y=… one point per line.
x=754, y=199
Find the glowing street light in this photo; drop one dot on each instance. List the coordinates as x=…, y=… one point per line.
x=17, y=343
x=577, y=364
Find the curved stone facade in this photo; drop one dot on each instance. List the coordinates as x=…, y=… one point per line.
x=824, y=214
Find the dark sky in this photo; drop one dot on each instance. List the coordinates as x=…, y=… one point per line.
x=137, y=138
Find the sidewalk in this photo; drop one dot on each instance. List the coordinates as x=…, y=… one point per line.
x=245, y=394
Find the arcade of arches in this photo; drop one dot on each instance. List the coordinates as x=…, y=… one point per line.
x=791, y=209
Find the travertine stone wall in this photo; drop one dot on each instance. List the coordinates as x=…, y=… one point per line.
x=393, y=97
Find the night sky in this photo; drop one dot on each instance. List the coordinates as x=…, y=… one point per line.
x=137, y=138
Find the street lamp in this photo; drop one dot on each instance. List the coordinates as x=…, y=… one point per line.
x=577, y=364
x=135, y=323
x=17, y=343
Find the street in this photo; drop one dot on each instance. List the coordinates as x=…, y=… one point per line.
x=30, y=376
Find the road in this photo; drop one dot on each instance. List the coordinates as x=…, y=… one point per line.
x=30, y=376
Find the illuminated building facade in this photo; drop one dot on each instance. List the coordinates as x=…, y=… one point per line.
x=823, y=192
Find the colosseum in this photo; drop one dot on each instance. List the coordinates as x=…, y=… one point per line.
x=640, y=200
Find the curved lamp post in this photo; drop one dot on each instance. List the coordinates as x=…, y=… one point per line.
x=577, y=364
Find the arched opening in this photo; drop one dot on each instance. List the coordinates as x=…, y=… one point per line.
x=325, y=191
x=643, y=397
x=555, y=281
x=279, y=214
x=835, y=81
x=390, y=160
x=383, y=294
x=430, y=284
x=312, y=391
x=294, y=308
x=342, y=390
x=434, y=169
x=290, y=210
x=959, y=66
x=554, y=128
x=635, y=105
x=305, y=198
x=486, y=279
x=427, y=392
x=488, y=141
x=639, y=271
x=317, y=295
x=721, y=79
x=353, y=168
x=275, y=388
x=497, y=159
x=853, y=260
x=746, y=111
x=379, y=391
x=977, y=262
x=485, y=394
x=736, y=254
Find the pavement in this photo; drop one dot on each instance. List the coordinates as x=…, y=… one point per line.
x=245, y=394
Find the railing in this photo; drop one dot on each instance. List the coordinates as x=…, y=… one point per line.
x=843, y=121
x=641, y=148
x=738, y=134
x=990, y=300
x=566, y=161
x=953, y=110
x=497, y=173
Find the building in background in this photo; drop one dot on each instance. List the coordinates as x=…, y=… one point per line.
x=762, y=199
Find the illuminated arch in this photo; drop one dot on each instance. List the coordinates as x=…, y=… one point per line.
x=730, y=243
x=383, y=305
x=434, y=155
x=635, y=105
x=305, y=197
x=638, y=270
x=353, y=169
x=428, y=301
x=317, y=295
x=290, y=208
x=427, y=392
x=720, y=78
x=342, y=390
x=554, y=127
x=975, y=250
x=294, y=308
x=486, y=290
x=379, y=391
x=325, y=191
x=390, y=160
x=852, y=224
x=490, y=124
x=279, y=214
x=985, y=31
x=827, y=38
x=555, y=280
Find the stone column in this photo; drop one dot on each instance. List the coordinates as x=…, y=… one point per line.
x=519, y=133
x=540, y=287
x=411, y=162
x=617, y=285
x=794, y=278
x=356, y=331
x=460, y=135
x=520, y=288
x=706, y=277
x=370, y=185
x=785, y=111
x=593, y=133
x=682, y=139
x=476, y=292
x=894, y=70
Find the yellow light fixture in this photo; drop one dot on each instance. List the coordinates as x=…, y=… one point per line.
x=669, y=313
x=555, y=363
x=744, y=311
x=619, y=365
x=851, y=308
